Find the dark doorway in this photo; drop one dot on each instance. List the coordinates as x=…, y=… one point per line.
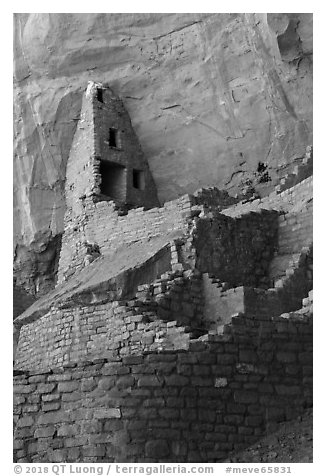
x=113, y=180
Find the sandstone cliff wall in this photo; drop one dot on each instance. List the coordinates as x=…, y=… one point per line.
x=209, y=95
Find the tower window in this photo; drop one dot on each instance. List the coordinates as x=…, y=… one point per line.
x=100, y=94
x=113, y=137
x=138, y=179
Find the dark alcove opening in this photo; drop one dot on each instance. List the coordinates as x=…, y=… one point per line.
x=113, y=180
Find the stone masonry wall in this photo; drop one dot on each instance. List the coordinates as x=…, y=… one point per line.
x=154, y=321
x=238, y=251
x=296, y=230
x=176, y=296
x=80, y=166
x=110, y=113
x=301, y=171
x=295, y=222
x=100, y=223
x=155, y=318
x=221, y=301
x=193, y=406
x=292, y=199
x=288, y=292
x=63, y=336
x=128, y=382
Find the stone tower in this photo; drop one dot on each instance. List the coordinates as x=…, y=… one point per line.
x=106, y=161
x=106, y=173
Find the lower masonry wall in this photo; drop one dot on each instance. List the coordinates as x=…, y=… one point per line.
x=190, y=406
x=111, y=330
x=153, y=321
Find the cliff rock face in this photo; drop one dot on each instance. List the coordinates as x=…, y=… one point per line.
x=209, y=95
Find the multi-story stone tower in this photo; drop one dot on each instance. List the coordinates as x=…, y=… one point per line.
x=106, y=165
x=106, y=160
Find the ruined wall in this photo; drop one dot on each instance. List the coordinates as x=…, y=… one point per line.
x=243, y=247
x=235, y=250
x=71, y=331
x=238, y=251
x=294, y=200
x=295, y=222
x=81, y=164
x=221, y=301
x=155, y=320
x=296, y=230
x=176, y=296
x=100, y=223
x=193, y=406
x=112, y=330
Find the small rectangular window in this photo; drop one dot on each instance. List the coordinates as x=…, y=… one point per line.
x=138, y=179
x=100, y=94
x=112, y=137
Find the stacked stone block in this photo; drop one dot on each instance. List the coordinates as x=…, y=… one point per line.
x=193, y=406
x=109, y=113
x=154, y=320
x=176, y=296
x=222, y=301
x=295, y=223
x=292, y=199
x=301, y=171
x=111, y=330
x=101, y=223
x=67, y=334
x=238, y=251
